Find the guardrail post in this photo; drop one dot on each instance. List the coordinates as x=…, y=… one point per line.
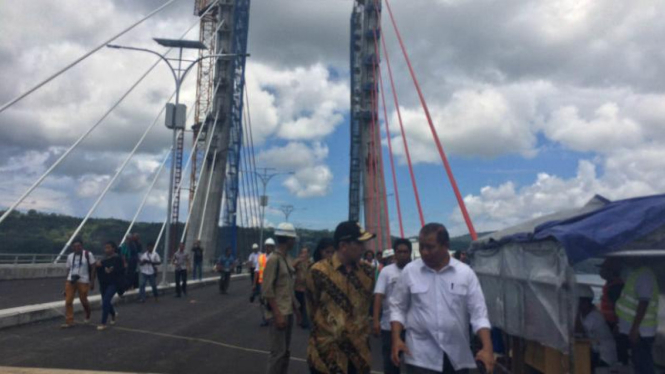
x=34, y=259
x=16, y=260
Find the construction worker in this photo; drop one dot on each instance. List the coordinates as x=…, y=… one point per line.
x=637, y=309
x=269, y=247
x=278, y=291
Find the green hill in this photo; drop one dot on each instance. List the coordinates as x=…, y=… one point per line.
x=35, y=232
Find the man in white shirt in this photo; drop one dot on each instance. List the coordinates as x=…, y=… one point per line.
x=595, y=328
x=181, y=263
x=253, y=261
x=81, y=279
x=435, y=299
x=398, y=259
x=148, y=261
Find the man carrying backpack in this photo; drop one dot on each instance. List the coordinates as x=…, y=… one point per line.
x=81, y=279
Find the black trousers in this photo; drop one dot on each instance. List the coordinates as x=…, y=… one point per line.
x=447, y=368
x=181, y=282
x=300, y=296
x=351, y=370
x=386, y=350
x=224, y=281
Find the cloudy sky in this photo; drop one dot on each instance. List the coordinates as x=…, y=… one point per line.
x=540, y=105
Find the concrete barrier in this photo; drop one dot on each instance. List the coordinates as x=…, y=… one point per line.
x=36, y=271
x=32, y=271
x=40, y=312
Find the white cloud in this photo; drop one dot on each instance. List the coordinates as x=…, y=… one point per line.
x=294, y=155
x=605, y=132
x=310, y=182
x=485, y=122
x=626, y=173
x=303, y=103
x=311, y=178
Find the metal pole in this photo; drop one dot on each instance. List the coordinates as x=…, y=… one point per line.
x=169, y=228
x=263, y=208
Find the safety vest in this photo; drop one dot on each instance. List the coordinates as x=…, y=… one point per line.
x=262, y=266
x=627, y=305
x=607, y=307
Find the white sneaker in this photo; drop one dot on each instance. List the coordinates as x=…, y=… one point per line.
x=102, y=327
x=114, y=318
x=86, y=321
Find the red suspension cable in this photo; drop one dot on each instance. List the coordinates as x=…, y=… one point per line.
x=446, y=164
x=401, y=126
x=392, y=159
x=390, y=146
x=374, y=169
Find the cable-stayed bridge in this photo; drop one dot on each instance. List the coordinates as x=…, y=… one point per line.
x=224, y=184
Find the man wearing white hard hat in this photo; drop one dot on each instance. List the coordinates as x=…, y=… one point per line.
x=278, y=290
x=385, y=284
x=592, y=323
x=253, y=261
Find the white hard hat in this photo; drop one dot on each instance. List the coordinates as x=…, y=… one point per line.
x=286, y=229
x=255, y=246
x=584, y=292
x=388, y=253
x=269, y=241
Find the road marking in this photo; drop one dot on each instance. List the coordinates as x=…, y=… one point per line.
x=200, y=340
x=208, y=341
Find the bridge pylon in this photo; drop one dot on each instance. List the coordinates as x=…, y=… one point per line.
x=367, y=189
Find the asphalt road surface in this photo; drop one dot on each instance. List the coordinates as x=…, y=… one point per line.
x=203, y=333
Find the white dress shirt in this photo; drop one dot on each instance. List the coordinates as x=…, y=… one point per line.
x=78, y=264
x=436, y=307
x=149, y=269
x=385, y=286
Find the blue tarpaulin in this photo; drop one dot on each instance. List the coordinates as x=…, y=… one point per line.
x=602, y=231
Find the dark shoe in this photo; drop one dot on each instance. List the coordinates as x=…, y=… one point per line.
x=264, y=324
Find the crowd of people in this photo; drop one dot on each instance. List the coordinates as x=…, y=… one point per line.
x=424, y=311
x=331, y=293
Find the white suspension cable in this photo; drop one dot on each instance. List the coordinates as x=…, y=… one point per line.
x=159, y=237
x=58, y=73
x=108, y=186
x=145, y=198
x=205, y=202
x=84, y=136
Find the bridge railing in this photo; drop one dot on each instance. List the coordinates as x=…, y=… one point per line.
x=29, y=258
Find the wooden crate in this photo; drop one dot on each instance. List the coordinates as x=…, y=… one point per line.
x=548, y=360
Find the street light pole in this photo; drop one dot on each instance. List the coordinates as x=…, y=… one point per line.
x=287, y=210
x=265, y=179
x=179, y=76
